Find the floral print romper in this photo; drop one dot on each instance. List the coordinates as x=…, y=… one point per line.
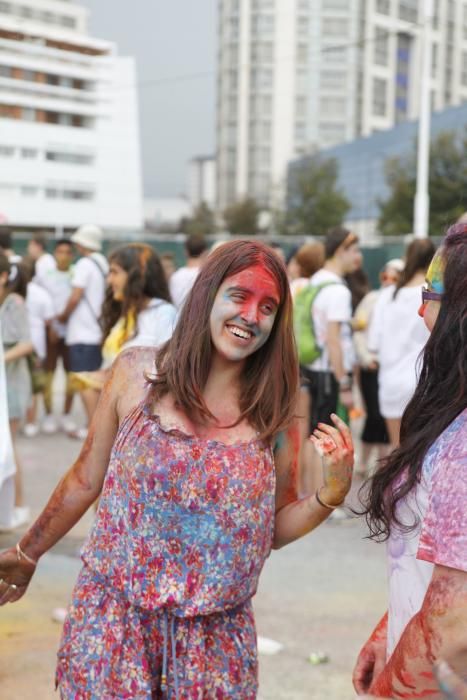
x=162, y=606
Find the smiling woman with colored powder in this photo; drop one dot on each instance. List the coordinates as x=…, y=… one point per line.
x=417, y=501
x=193, y=451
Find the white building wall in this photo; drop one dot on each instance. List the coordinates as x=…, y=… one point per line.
x=60, y=174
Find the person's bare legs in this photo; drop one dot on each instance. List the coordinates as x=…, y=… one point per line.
x=31, y=413
x=19, y=492
x=394, y=428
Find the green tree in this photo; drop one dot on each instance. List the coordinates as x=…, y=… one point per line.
x=201, y=223
x=447, y=186
x=315, y=203
x=241, y=218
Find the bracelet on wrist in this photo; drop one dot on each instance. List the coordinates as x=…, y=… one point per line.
x=22, y=555
x=329, y=506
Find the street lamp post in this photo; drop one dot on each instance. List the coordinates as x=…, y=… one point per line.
x=422, y=199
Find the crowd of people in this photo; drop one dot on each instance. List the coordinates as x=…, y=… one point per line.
x=228, y=464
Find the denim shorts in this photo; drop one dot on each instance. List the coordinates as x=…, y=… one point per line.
x=84, y=358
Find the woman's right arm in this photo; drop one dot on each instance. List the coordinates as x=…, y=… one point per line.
x=76, y=491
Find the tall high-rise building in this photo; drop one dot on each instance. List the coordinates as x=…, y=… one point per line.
x=69, y=133
x=295, y=76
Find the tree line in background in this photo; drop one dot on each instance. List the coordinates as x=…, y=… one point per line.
x=315, y=203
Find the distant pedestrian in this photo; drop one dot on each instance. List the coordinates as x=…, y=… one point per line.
x=7, y=458
x=40, y=315
x=183, y=279
x=397, y=337
x=84, y=307
x=308, y=259
x=168, y=265
x=43, y=261
x=58, y=282
x=374, y=437
x=17, y=347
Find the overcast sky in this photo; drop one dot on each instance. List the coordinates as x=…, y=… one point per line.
x=169, y=39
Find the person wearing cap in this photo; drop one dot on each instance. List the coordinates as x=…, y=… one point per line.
x=83, y=309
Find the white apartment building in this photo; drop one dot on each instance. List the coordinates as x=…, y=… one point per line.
x=296, y=76
x=201, y=181
x=69, y=131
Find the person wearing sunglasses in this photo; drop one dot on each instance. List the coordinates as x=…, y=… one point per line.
x=417, y=502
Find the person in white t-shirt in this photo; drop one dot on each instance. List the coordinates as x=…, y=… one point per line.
x=330, y=376
x=43, y=261
x=57, y=282
x=183, y=279
x=84, y=307
x=397, y=337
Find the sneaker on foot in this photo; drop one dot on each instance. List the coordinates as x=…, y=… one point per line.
x=31, y=430
x=49, y=424
x=59, y=614
x=67, y=424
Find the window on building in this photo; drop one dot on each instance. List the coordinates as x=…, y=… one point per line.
x=5, y=71
x=5, y=7
x=84, y=195
x=262, y=52
x=29, y=191
x=300, y=132
x=29, y=153
x=302, y=53
x=379, y=97
x=51, y=193
x=303, y=25
x=434, y=59
x=7, y=151
x=28, y=114
x=25, y=11
x=64, y=157
x=300, y=107
x=334, y=54
x=335, y=26
x=68, y=22
x=336, y=5
x=408, y=10
x=331, y=134
x=261, y=78
x=464, y=22
x=262, y=24
x=29, y=75
x=381, y=46
x=333, y=80
x=333, y=106
x=383, y=7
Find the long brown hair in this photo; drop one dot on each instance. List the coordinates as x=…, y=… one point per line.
x=417, y=259
x=146, y=280
x=269, y=383
x=440, y=396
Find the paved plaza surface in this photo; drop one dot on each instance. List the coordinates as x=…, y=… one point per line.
x=322, y=593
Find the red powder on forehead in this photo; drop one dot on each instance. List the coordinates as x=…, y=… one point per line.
x=257, y=278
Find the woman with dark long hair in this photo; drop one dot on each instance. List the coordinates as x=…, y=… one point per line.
x=136, y=311
x=194, y=495
x=417, y=501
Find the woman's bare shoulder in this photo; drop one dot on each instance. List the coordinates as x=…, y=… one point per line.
x=129, y=376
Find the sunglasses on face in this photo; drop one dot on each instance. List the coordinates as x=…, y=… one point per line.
x=429, y=295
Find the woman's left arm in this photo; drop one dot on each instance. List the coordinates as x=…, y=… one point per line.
x=437, y=631
x=296, y=517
